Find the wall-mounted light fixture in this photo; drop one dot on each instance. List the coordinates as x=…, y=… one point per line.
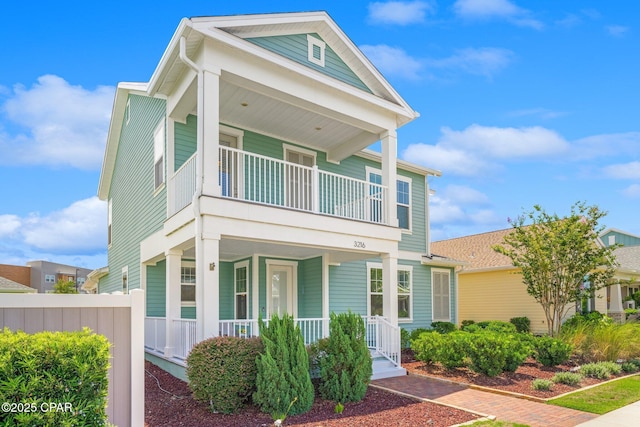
x=212, y=266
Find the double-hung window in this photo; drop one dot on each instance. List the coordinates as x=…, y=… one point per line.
x=403, y=199
x=404, y=286
x=158, y=155
x=188, y=284
x=241, y=289
x=441, y=295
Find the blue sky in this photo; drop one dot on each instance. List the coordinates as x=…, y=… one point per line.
x=521, y=103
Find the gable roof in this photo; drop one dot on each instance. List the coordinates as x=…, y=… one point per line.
x=476, y=251
x=9, y=286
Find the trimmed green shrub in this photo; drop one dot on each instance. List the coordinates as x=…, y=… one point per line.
x=283, y=369
x=541, y=384
x=466, y=323
x=316, y=352
x=491, y=353
x=345, y=371
x=498, y=326
x=443, y=327
x=222, y=371
x=568, y=378
x=522, y=324
x=453, y=352
x=417, y=332
x=472, y=328
x=425, y=347
x=405, y=339
x=551, y=351
x=592, y=318
x=69, y=368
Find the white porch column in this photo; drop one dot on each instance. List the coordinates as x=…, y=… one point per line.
x=389, y=157
x=325, y=295
x=208, y=289
x=616, y=312
x=172, y=298
x=210, y=98
x=390, y=287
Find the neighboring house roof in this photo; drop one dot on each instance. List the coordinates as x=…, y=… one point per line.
x=476, y=251
x=9, y=286
x=91, y=284
x=628, y=258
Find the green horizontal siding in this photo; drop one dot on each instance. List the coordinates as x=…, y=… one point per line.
x=156, y=289
x=295, y=47
x=310, y=288
x=185, y=137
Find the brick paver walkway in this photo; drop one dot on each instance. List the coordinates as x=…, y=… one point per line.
x=504, y=408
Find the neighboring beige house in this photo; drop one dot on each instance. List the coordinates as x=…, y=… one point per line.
x=491, y=288
x=9, y=286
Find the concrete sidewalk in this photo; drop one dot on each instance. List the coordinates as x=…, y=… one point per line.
x=504, y=408
x=626, y=416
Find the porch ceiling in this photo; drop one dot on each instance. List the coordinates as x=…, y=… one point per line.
x=235, y=249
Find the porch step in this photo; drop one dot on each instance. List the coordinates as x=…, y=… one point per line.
x=384, y=368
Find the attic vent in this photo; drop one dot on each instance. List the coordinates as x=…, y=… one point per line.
x=612, y=240
x=315, y=50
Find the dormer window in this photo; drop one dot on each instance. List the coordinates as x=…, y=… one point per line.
x=316, y=49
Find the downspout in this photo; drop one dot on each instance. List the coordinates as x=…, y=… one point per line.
x=195, y=203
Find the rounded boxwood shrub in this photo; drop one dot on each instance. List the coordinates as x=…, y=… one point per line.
x=443, y=327
x=453, y=351
x=425, y=347
x=522, y=324
x=487, y=351
x=498, y=326
x=552, y=351
x=222, y=371
x=415, y=334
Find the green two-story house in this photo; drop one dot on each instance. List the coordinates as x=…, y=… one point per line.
x=239, y=185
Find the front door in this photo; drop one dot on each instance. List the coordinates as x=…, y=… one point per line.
x=281, y=288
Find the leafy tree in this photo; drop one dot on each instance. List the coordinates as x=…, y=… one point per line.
x=65, y=287
x=559, y=258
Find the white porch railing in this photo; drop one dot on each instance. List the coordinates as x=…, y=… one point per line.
x=184, y=337
x=155, y=333
x=383, y=337
x=182, y=185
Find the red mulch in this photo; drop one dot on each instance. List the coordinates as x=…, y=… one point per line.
x=175, y=407
x=514, y=382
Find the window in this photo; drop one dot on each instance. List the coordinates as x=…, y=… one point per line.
x=404, y=285
x=441, y=295
x=125, y=280
x=81, y=281
x=403, y=198
x=158, y=155
x=316, y=48
x=50, y=278
x=241, y=290
x=109, y=219
x=188, y=284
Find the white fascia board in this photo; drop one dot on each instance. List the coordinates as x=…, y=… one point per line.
x=113, y=136
x=400, y=110
x=402, y=164
x=426, y=260
x=168, y=57
x=259, y=19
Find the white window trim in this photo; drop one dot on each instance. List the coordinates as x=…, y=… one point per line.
x=186, y=264
x=236, y=267
x=236, y=133
x=369, y=170
x=311, y=43
x=448, y=272
x=294, y=264
x=124, y=275
x=47, y=276
x=286, y=148
x=159, y=131
x=400, y=267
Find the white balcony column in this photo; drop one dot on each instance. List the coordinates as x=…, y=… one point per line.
x=173, y=300
x=315, y=188
x=389, y=173
x=390, y=287
x=209, y=115
x=616, y=312
x=325, y=295
x=208, y=288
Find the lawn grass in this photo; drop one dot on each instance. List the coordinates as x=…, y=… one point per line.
x=604, y=398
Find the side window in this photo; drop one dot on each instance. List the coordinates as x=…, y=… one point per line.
x=188, y=285
x=441, y=295
x=125, y=280
x=241, y=290
x=158, y=155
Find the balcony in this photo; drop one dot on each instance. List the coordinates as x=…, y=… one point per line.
x=264, y=180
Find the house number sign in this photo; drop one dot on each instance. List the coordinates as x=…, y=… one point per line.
x=359, y=244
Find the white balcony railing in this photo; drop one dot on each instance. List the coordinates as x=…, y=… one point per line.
x=184, y=337
x=312, y=329
x=155, y=333
x=265, y=180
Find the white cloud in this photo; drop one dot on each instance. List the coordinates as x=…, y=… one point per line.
x=629, y=170
x=612, y=144
x=464, y=194
x=77, y=229
x=399, y=12
x=496, y=9
x=392, y=61
x=617, y=30
x=9, y=224
x=485, y=61
x=63, y=125
x=632, y=191
x=451, y=208
x=542, y=113
x=446, y=159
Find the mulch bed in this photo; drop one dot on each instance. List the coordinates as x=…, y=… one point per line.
x=514, y=382
x=168, y=402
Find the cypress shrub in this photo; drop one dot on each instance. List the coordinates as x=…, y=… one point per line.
x=222, y=371
x=345, y=372
x=283, y=370
x=67, y=368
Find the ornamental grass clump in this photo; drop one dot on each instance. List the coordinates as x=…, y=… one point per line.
x=346, y=369
x=283, y=369
x=222, y=372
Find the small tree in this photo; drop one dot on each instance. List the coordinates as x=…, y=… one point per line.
x=559, y=258
x=65, y=287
